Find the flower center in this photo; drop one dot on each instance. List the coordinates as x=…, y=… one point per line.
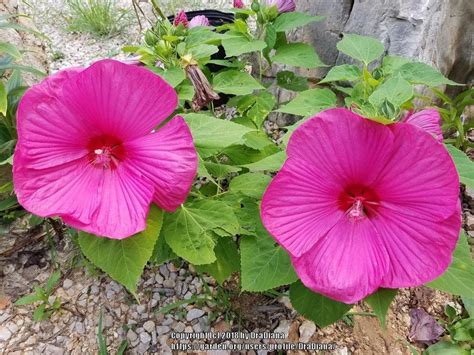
x=106, y=151
x=359, y=202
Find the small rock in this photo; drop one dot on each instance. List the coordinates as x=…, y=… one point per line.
x=159, y=279
x=164, y=271
x=162, y=329
x=149, y=326
x=142, y=348
x=141, y=308
x=5, y=333
x=169, y=283
x=108, y=321
x=79, y=327
x=307, y=329
x=179, y=327
x=131, y=335
x=194, y=314
x=197, y=328
x=53, y=350
x=223, y=326
x=67, y=284
x=145, y=338
x=94, y=290
x=283, y=327
x=168, y=321
x=13, y=327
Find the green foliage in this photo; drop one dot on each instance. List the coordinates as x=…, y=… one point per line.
x=298, y=55
x=236, y=83
x=396, y=90
x=264, y=264
x=227, y=260
x=380, y=302
x=45, y=308
x=240, y=44
x=101, y=339
x=362, y=48
x=458, y=277
x=310, y=102
x=98, y=17
x=192, y=231
x=124, y=260
x=291, y=20
x=290, y=81
x=250, y=184
x=321, y=310
x=464, y=165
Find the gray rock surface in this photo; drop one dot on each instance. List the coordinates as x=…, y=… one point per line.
x=437, y=32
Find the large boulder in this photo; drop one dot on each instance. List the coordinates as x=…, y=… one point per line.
x=437, y=32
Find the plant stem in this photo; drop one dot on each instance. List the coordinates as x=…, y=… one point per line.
x=366, y=314
x=154, y=3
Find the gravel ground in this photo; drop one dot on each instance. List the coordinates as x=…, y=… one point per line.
x=27, y=259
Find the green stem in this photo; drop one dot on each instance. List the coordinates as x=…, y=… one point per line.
x=366, y=314
x=154, y=3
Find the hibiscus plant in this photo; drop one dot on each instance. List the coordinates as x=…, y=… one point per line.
x=168, y=158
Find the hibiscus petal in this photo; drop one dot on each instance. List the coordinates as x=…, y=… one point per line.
x=335, y=149
x=123, y=207
x=420, y=249
x=429, y=121
x=347, y=265
x=44, y=138
x=120, y=100
x=107, y=202
x=420, y=178
x=168, y=159
x=348, y=147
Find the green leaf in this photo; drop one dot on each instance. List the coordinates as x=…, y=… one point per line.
x=263, y=106
x=203, y=51
x=290, y=81
x=241, y=154
x=8, y=203
x=10, y=49
x=185, y=91
x=264, y=264
x=395, y=90
x=468, y=305
x=123, y=260
x=392, y=63
x=162, y=251
x=257, y=140
x=310, y=102
x=227, y=260
x=221, y=170
x=191, y=230
x=270, y=37
x=421, y=73
x=380, y=302
x=22, y=68
x=250, y=184
x=445, y=348
x=291, y=20
x=214, y=133
x=273, y=162
x=3, y=99
x=458, y=278
x=239, y=45
x=464, y=165
x=52, y=281
x=39, y=313
x=363, y=48
x=28, y=299
x=321, y=310
x=298, y=55
x=235, y=82
x=345, y=72
x=174, y=76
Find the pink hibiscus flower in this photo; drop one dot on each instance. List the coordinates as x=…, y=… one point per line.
x=87, y=151
x=181, y=18
x=282, y=5
x=360, y=205
x=200, y=20
x=428, y=120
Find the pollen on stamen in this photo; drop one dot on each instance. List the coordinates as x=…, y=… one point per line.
x=357, y=212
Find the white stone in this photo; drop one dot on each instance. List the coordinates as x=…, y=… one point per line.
x=194, y=314
x=5, y=333
x=67, y=284
x=307, y=329
x=149, y=326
